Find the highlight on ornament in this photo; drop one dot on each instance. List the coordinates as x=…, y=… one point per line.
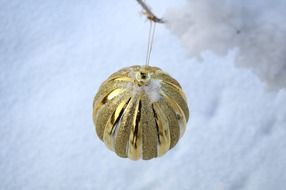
x=140, y=112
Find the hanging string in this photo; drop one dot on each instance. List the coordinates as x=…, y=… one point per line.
x=151, y=36
x=153, y=20
x=149, y=39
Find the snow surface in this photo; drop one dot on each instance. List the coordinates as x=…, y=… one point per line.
x=53, y=57
x=256, y=28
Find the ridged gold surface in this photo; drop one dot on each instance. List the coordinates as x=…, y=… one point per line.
x=140, y=112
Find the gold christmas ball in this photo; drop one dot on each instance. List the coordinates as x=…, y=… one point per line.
x=140, y=112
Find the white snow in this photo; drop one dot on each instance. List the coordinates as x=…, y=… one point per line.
x=256, y=28
x=53, y=57
x=153, y=90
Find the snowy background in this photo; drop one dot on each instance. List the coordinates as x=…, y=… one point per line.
x=55, y=54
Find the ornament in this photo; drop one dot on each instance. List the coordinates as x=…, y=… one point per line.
x=140, y=112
